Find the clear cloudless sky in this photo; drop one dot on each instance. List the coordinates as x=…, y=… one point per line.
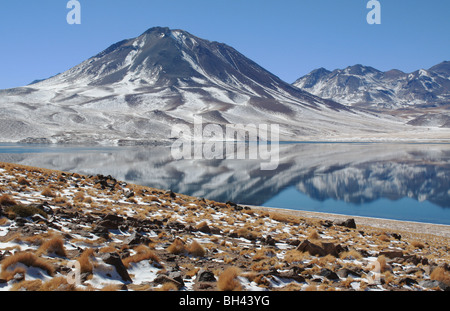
x=287, y=37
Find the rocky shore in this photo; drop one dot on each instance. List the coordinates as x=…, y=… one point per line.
x=64, y=231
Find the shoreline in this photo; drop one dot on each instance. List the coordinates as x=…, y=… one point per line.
x=306, y=140
x=379, y=223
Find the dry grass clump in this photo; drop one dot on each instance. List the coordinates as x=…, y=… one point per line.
x=440, y=274
x=20, y=210
x=26, y=258
x=3, y=221
x=167, y=287
x=313, y=235
x=294, y=255
x=22, y=181
x=58, y=284
x=143, y=253
x=32, y=286
x=48, y=192
x=177, y=247
x=383, y=237
x=246, y=233
x=54, y=284
x=86, y=265
x=417, y=244
x=262, y=254
x=194, y=248
x=351, y=254
x=111, y=288
x=6, y=200
x=228, y=280
x=59, y=200
x=88, y=200
x=281, y=217
x=79, y=197
x=53, y=246
x=311, y=288
x=383, y=264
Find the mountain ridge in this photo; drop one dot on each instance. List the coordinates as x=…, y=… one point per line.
x=137, y=89
x=366, y=86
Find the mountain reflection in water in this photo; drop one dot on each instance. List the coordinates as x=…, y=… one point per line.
x=355, y=174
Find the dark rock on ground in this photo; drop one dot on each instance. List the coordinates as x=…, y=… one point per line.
x=136, y=238
x=205, y=276
x=161, y=279
x=329, y=274
x=316, y=250
x=391, y=254
x=349, y=223
x=114, y=259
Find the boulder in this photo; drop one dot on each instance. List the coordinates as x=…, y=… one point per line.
x=205, y=229
x=269, y=240
x=205, y=276
x=332, y=249
x=292, y=274
x=349, y=223
x=175, y=225
x=171, y=194
x=136, y=238
x=345, y=272
x=161, y=279
x=391, y=254
x=114, y=259
x=311, y=248
x=327, y=223
x=316, y=250
x=329, y=274
x=111, y=222
x=128, y=194
x=433, y=284
x=101, y=232
x=177, y=276
x=407, y=281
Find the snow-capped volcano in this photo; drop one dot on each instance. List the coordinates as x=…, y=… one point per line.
x=138, y=88
x=163, y=58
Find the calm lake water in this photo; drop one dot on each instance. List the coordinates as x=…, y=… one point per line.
x=395, y=181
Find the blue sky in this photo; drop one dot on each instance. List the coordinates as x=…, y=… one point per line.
x=287, y=37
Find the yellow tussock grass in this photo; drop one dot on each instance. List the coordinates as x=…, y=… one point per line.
x=79, y=197
x=143, y=253
x=383, y=263
x=168, y=287
x=86, y=265
x=31, y=286
x=439, y=274
x=111, y=288
x=28, y=259
x=177, y=247
x=22, y=181
x=58, y=284
x=313, y=235
x=228, y=280
x=53, y=246
x=194, y=248
x=7, y=200
x=47, y=192
x=417, y=244
x=351, y=254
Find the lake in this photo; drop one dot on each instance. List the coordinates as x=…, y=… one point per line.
x=384, y=180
